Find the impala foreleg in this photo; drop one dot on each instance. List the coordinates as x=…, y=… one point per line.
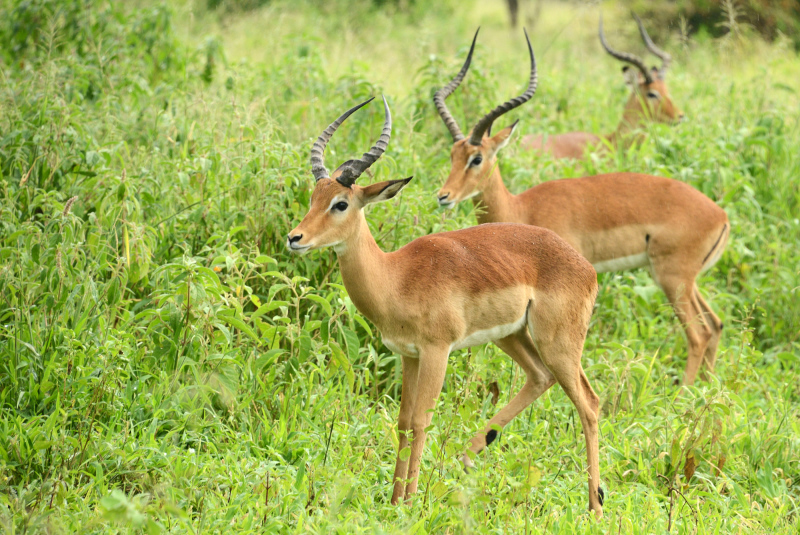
x=519, y=347
x=432, y=367
x=407, y=398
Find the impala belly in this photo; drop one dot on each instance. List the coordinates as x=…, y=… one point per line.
x=617, y=248
x=401, y=348
x=622, y=263
x=487, y=335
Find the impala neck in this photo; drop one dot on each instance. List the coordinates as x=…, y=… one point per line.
x=495, y=202
x=366, y=273
x=628, y=130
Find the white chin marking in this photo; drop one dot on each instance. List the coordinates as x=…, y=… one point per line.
x=622, y=263
x=487, y=335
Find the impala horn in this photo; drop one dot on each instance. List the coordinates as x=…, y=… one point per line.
x=634, y=60
x=485, y=124
x=665, y=58
x=440, y=96
x=349, y=171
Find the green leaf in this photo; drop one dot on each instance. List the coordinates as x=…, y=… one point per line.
x=361, y=321
x=269, y=307
x=112, y=294
x=326, y=306
x=340, y=359
x=239, y=324
x=267, y=358
x=353, y=343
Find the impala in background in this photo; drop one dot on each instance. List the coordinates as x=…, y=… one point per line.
x=519, y=286
x=617, y=221
x=649, y=101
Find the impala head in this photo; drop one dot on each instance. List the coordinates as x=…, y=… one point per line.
x=650, y=98
x=473, y=158
x=335, y=214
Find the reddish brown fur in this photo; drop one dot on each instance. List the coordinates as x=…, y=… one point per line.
x=638, y=110
x=608, y=218
x=522, y=284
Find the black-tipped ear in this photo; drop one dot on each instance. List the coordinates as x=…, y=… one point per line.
x=383, y=191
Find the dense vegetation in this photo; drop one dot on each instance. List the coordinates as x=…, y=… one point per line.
x=770, y=19
x=165, y=365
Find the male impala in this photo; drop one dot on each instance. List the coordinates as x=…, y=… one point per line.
x=649, y=100
x=617, y=221
x=519, y=286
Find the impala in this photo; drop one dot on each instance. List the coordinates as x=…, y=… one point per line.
x=519, y=286
x=617, y=221
x=649, y=101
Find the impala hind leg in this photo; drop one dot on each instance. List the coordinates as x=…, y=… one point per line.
x=407, y=397
x=519, y=347
x=714, y=323
x=430, y=379
x=561, y=352
x=680, y=293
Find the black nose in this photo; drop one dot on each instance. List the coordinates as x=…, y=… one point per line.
x=443, y=197
x=295, y=239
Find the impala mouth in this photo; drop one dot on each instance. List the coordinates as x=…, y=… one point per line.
x=445, y=201
x=296, y=248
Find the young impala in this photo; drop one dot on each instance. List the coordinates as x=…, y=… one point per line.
x=617, y=221
x=522, y=287
x=649, y=101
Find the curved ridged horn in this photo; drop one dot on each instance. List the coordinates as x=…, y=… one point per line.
x=446, y=91
x=651, y=46
x=317, y=159
x=352, y=169
x=634, y=60
x=486, y=123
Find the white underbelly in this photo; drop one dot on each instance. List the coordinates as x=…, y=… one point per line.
x=622, y=263
x=487, y=335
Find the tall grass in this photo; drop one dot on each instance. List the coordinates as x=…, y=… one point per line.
x=165, y=365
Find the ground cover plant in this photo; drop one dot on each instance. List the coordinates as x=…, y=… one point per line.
x=166, y=365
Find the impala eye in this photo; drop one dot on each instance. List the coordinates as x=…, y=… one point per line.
x=340, y=206
x=476, y=161
x=653, y=94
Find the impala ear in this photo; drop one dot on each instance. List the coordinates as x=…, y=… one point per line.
x=382, y=191
x=501, y=139
x=632, y=76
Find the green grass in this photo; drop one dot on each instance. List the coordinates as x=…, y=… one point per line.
x=165, y=365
